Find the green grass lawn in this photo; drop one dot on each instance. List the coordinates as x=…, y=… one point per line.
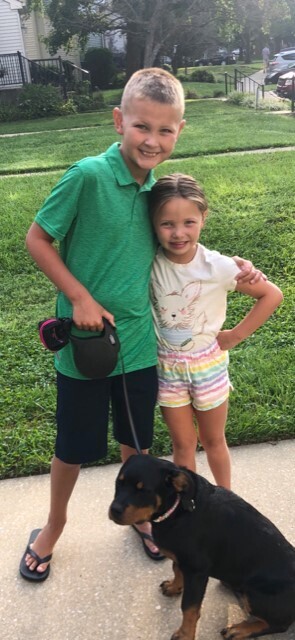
x=251, y=201
x=204, y=89
x=76, y=120
x=220, y=70
x=212, y=127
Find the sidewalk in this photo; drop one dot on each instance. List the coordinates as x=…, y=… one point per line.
x=250, y=87
x=102, y=586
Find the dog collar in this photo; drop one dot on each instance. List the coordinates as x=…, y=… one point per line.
x=169, y=512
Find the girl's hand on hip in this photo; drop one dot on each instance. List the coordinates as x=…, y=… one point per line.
x=248, y=273
x=227, y=339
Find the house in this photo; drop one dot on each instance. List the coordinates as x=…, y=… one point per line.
x=25, y=58
x=11, y=36
x=21, y=42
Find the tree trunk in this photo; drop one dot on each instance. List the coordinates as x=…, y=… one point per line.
x=248, y=52
x=133, y=54
x=152, y=41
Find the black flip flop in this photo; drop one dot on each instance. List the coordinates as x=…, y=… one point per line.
x=34, y=576
x=149, y=553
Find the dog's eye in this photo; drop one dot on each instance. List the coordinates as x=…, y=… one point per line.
x=139, y=485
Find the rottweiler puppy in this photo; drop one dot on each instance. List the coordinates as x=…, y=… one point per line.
x=210, y=531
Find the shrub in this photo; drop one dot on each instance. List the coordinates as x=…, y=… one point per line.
x=191, y=95
x=182, y=77
x=201, y=75
x=248, y=100
x=87, y=103
x=38, y=101
x=98, y=101
x=218, y=93
x=68, y=107
x=167, y=67
x=100, y=64
x=119, y=81
x=236, y=97
x=82, y=88
x=9, y=113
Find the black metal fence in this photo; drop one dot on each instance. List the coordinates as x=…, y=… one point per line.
x=241, y=82
x=13, y=69
x=16, y=70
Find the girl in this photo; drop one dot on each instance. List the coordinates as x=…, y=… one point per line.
x=189, y=290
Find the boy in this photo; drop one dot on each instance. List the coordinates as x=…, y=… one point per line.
x=98, y=212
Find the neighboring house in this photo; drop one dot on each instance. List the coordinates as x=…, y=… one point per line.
x=115, y=41
x=25, y=37
x=21, y=42
x=36, y=27
x=11, y=37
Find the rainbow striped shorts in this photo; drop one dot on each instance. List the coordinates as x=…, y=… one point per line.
x=199, y=378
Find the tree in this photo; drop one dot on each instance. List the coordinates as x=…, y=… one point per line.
x=281, y=24
x=252, y=21
x=153, y=27
x=71, y=18
x=149, y=25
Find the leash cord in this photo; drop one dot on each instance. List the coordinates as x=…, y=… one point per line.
x=129, y=413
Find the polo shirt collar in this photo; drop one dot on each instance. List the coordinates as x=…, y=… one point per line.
x=121, y=171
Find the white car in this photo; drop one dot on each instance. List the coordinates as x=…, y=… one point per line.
x=281, y=59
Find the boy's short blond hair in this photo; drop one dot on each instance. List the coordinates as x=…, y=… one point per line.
x=154, y=84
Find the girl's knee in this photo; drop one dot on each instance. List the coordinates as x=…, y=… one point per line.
x=214, y=443
x=186, y=444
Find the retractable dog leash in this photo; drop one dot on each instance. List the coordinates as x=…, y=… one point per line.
x=95, y=357
x=132, y=427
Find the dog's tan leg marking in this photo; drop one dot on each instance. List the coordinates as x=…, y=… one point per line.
x=173, y=587
x=244, y=629
x=187, y=631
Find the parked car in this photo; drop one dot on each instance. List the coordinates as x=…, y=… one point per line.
x=216, y=59
x=272, y=77
x=286, y=85
x=281, y=60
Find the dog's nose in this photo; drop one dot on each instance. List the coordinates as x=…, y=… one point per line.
x=116, y=509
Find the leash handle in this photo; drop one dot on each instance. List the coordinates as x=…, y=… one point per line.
x=132, y=427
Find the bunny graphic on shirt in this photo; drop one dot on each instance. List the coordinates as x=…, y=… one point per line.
x=178, y=319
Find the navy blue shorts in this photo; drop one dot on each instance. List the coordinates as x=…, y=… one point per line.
x=83, y=410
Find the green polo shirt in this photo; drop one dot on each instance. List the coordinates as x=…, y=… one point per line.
x=99, y=214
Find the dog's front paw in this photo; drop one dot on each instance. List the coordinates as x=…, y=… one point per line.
x=181, y=635
x=226, y=633
x=170, y=588
x=237, y=631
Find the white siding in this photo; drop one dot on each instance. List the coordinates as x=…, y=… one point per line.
x=95, y=40
x=11, y=39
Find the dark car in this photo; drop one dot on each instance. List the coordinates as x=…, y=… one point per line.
x=286, y=85
x=272, y=77
x=218, y=58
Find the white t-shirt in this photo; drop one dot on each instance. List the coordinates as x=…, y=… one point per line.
x=189, y=300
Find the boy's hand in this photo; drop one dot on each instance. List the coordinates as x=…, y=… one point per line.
x=227, y=339
x=248, y=273
x=88, y=314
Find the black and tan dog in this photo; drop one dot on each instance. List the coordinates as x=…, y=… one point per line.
x=210, y=531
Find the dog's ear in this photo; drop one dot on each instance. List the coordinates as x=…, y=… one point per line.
x=181, y=481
